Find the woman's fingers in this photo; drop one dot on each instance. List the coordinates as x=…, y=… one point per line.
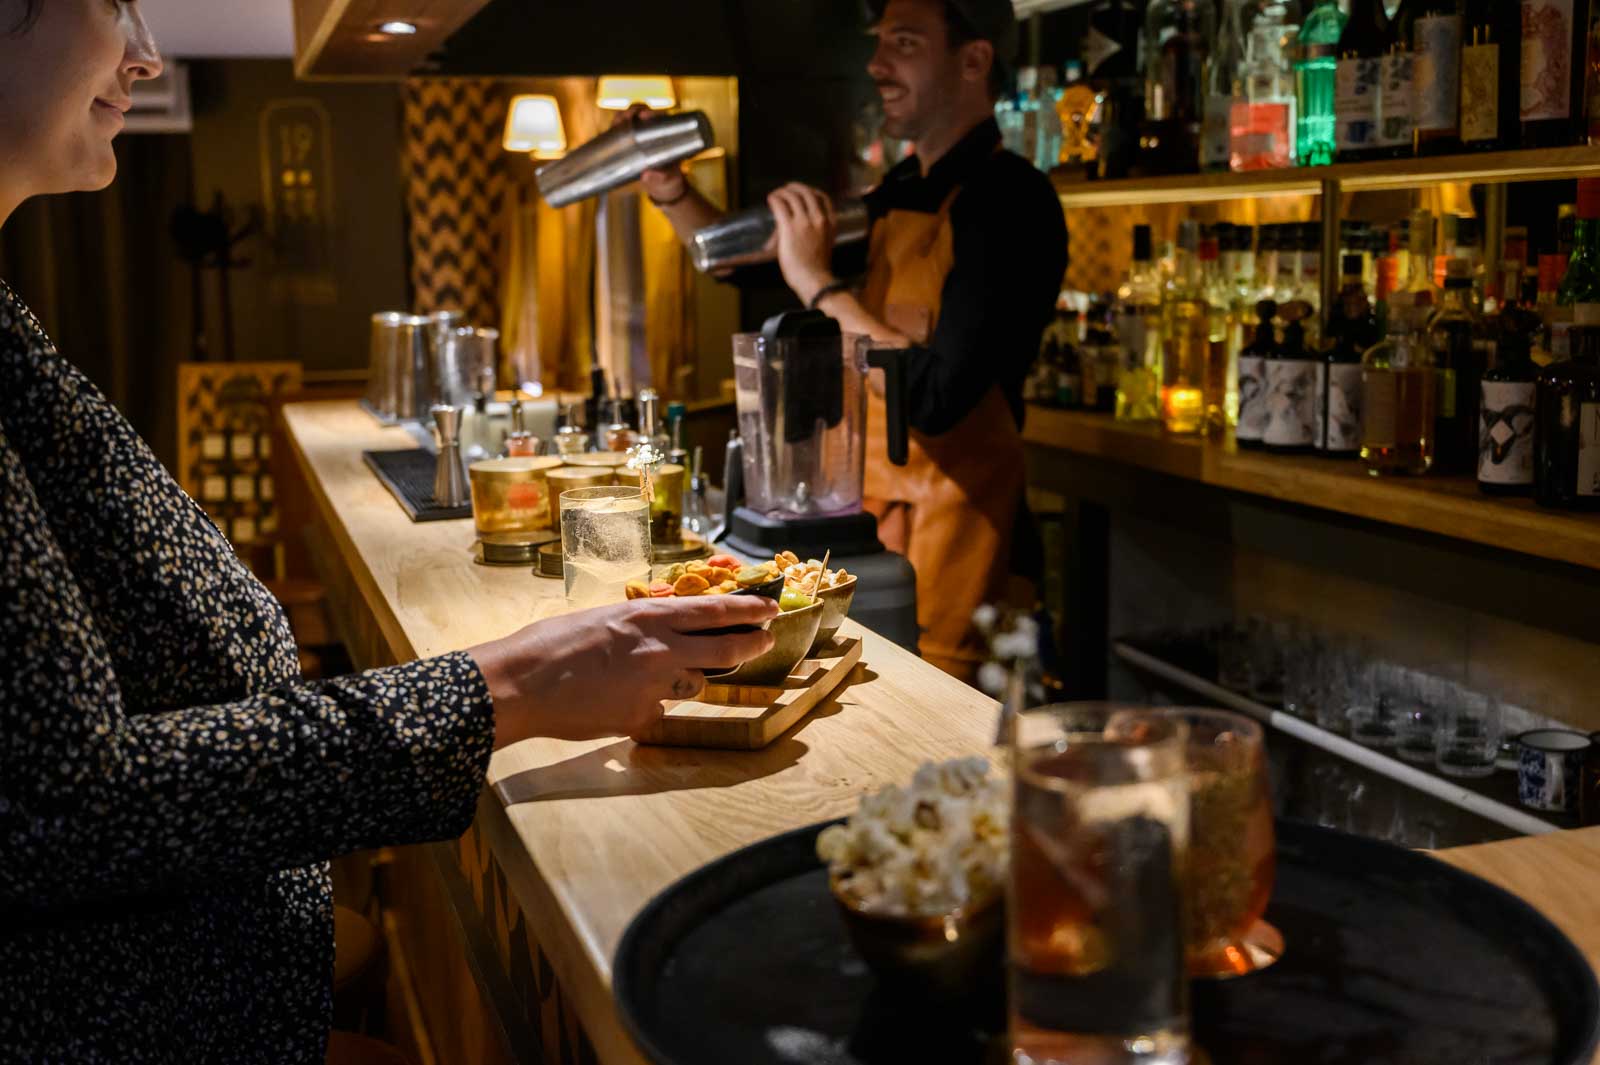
x=688, y=683
x=717, y=653
x=696, y=613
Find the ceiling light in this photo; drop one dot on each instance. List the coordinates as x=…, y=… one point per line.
x=533, y=124
x=618, y=92
x=397, y=28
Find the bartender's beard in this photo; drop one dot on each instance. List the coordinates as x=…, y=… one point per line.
x=931, y=101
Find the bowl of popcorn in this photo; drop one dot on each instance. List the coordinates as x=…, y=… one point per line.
x=833, y=588
x=919, y=875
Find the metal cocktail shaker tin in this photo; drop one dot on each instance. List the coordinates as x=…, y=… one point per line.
x=741, y=238
x=621, y=154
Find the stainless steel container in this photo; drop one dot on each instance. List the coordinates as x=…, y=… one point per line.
x=397, y=388
x=621, y=154
x=741, y=238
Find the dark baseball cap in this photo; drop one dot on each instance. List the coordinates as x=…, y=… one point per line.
x=994, y=21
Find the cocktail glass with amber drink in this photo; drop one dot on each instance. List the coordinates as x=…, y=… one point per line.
x=1232, y=854
x=1095, y=909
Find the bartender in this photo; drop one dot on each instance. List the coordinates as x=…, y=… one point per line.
x=964, y=263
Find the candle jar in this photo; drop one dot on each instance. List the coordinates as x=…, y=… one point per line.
x=569, y=478
x=666, y=508
x=511, y=495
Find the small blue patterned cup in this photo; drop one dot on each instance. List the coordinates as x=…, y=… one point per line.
x=1549, y=768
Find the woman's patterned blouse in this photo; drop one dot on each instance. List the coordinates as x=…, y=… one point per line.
x=170, y=788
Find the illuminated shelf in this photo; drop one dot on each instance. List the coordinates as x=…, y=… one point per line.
x=1445, y=506
x=1530, y=164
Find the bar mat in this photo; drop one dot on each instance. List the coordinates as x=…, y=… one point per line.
x=408, y=475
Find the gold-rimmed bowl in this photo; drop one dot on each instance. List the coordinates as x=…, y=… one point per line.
x=942, y=958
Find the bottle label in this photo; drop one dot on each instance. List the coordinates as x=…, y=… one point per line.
x=1097, y=49
x=1546, y=87
x=1505, y=433
x=1589, y=449
x=1480, y=92
x=1343, y=429
x=1356, y=103
x=1252, y=401
x=1397, y=116
x=1380, y=404
x=1292, y=399
x=1438, y=72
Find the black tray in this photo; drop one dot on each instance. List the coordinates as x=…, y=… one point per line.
x=408, y=475
x=1392, y=957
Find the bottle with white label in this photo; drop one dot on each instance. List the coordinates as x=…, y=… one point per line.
x=1436, y=40
x=1223, y=88
x=1506, y=414
x=1491, y=46
x=1359, y=82
x=1566, y=442
x=1554, y=56
x=1293, y=388
x=1252, y=427
x=1352, y=329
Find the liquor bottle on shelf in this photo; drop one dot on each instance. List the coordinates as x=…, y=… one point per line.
x=1507, y=286
x=1047, y=136
x=1506, y=419
x=1359, y=84
x=1436, y=39
x=1186, y=329
x=1224, y=88
x=1243, y=292
x=1262, y=125
x=1555, y=60
x=1102, y=361
x=1491, y=55
x=1557, y=318
x=1419, y=259
x=1252, y=427
x=1219, y=373
x=1397, y=98
x=1398, y=393
x=1580, y=286
x=1352, y=329
x=1138, y=319
x=1293, y=386
x=1111, y=61
x=1315, y=75
x=1566, y=438
x=1310, y=278
x=1177, y=40
x=1012, y=114
x=1458, y=368
x=1469, y=246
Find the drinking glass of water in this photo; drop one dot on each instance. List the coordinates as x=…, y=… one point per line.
x=1469, y=734
x=1100, y=833
x=605, y=543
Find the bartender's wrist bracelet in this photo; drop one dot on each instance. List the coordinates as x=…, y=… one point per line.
x=679, y=198
x=827, y=290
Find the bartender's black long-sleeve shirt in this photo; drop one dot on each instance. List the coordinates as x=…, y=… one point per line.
x=1010, y=255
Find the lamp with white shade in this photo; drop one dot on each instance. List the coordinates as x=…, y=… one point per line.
x=618, y=92
x=533, y=125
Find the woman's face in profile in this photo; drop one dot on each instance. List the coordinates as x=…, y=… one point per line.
x=65, y=82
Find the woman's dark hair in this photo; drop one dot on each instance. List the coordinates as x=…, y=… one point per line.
x=30, y=11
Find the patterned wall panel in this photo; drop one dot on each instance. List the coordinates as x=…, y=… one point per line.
x=455, y=195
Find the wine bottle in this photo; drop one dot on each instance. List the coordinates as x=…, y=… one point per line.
x=1110, y=55
x=1177, y=39
x=1453, y=333
x=1505, y=423
x=1293, y=387
x=1555, y=58
x=1223, y=88
x=1397, y=96
x=1491, y=55
x=1436, y=39
x=1353, y=329
x=1566, y=440
x=1253, y=377
x=1359, y=91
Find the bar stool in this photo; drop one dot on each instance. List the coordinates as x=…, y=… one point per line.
x=348, y=1048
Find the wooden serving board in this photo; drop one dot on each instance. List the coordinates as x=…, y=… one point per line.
x=747, y=719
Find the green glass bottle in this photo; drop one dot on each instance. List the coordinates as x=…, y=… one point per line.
x=1580, y=286
x=1316, y=75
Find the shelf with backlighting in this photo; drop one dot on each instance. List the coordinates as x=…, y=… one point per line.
x=1528, y=164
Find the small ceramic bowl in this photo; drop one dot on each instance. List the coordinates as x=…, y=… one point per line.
x=835, y=608
x=793, y=632
x=773, y=590
x=943, y=959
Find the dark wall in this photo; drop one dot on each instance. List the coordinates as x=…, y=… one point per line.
x=288, y=305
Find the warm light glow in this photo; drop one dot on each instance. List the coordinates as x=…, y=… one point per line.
x=618, y=92
x=398, y=28
x=534, y=125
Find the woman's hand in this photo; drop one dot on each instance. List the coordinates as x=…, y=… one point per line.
x=605, y=672
x=663, y=184
x=807, y=226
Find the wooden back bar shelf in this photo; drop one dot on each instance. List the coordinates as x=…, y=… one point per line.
x=1444, y=506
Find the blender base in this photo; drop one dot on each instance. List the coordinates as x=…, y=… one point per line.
x=886, y=595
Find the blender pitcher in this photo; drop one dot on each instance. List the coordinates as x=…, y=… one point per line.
x=801, y=392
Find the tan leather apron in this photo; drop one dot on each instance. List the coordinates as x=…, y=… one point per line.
x=951, y=508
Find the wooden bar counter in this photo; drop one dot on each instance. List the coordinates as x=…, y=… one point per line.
x=572, y=839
